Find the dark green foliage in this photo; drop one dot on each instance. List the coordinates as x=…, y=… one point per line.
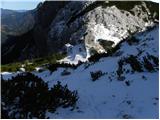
x=53, y=67
x=65, y=72
x=27, y=96
x=26, y=93
x=10, y=67
x=30, y=67
x=114, y=50
x=135, y=64
x=93, y=51
x=97, y=56
x=128, y=102
x=133, y=40
x=120, y=68
x=150, y=63
x=95, y=75
x=154, y=9
x=147, y=64
x=126, y=116
x=127, y=83
x=61, y=96
x=51, y=59
x=110, y=52
x=143, y=77
x=123, y=5
x=155, y=59
x=121, y=78
x=107, y=45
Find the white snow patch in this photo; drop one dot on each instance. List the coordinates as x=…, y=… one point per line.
x=75, y=54
x=100, y=32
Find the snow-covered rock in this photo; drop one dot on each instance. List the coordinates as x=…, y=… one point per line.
x=90, y=21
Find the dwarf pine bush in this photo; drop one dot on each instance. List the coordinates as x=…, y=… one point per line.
x=28, y=96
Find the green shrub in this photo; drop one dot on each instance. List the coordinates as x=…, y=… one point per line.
x=52, y=67
x=29, y=68
x=65, y=72
x=107, y=45
x=13, y=67
x=10, y=67
x=62, y=96
x=95, y=75
x=127, y=116
x=120, y=68
x=135, y=64
x=97, y=56
x=27, y=96
x=147, y=64
x=155, y=59
x=110, y=52
x=133, y=40
x=93, y=51
x=127, y=83
x=24, y=95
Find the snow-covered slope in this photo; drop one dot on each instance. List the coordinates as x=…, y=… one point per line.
x=133, y=94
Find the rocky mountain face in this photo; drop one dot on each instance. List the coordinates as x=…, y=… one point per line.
x=15, y=23
x=30, y=43
x=79, y=28
x=98, y=26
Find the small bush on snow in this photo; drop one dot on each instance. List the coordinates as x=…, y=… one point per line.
x=133, y=40
x=147, y=64
x=135, y=64
x=27, y=96
x=95, y=75
x=65, y=72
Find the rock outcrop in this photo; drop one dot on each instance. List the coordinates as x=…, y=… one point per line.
x=85, y=27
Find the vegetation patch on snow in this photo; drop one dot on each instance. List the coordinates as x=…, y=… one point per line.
x=28, y=96
x=30, y=65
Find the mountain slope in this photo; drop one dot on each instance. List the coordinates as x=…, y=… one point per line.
x=133, y=97
x=96, y=24
x=118, y=44
x=119, y=90
x=34, y=38
x=81, y=28
x=15, y=23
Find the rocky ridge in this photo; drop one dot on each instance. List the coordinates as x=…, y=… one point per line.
x=81, y=28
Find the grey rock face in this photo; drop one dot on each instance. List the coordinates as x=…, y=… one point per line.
x=81, y=25
x=26, y=38
x=87, y=22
